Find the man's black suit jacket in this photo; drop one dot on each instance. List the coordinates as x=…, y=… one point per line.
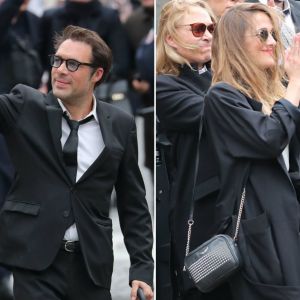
x=35, y=215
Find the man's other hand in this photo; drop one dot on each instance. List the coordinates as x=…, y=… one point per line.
x=144, y=286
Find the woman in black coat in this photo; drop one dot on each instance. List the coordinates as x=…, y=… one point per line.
x=254, y=126
x=183, y=55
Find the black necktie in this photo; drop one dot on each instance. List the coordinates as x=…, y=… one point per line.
x=71, y=145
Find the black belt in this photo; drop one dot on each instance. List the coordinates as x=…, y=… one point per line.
x=70, y=246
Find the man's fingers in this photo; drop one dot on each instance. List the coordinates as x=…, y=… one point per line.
x=134, y=287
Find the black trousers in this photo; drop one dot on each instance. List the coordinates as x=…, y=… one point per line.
x=66, y=279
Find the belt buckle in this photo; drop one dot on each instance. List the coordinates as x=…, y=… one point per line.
x=68, y=246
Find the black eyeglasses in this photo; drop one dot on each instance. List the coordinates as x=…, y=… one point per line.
x=198, y=29
x=71, y=64
x=263, y=35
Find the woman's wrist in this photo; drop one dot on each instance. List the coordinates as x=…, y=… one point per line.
x=293, y=91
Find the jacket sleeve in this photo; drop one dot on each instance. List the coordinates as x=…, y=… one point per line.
x=10, y=108
x=244, y=132
x=178, y=107
x=135, y=220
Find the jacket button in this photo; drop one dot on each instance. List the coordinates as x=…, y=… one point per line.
x=66, y=213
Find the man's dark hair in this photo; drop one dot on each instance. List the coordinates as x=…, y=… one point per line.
x=101, y=53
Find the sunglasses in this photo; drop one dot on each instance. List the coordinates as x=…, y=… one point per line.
x=198, y=29
x=71, y=64
x=263, y=35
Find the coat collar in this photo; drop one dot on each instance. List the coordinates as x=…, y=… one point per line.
x=200, y=81
x=257, y=106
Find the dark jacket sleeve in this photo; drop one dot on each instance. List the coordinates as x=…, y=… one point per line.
x=135, y=220
x=8, y=9
x=11, y=106
x=244, y=132
x=177, y=106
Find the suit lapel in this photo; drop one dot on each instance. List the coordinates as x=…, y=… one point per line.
x=54, y=114
x=105, y=124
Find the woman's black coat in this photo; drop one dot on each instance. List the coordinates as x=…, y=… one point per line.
x=179, y=103
x=269, y=235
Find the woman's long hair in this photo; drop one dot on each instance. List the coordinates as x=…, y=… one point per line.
x=168, y=61
x=231, y=64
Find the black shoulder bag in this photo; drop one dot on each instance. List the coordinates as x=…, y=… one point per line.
x=217, y=259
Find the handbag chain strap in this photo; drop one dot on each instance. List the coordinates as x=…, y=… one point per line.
x=191, y=215
x=240, y=214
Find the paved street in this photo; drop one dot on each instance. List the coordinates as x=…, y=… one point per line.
x=120, y=288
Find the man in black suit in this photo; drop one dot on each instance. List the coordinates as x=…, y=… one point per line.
x=69, y=151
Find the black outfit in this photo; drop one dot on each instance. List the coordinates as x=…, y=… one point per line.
x=94, y=16
x=137, y=27
x=36, y=212
x=26, y=27
x=269, y=233
x=32, y=285
x=179, y=103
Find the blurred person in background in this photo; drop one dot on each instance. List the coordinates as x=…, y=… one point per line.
x=139, y=28
x=124, y=7
x=291, y=13
x=90, y=14
x=19, y=45
x=143, y=83
x=183, y=50
x=254, y=124
x=140, y=22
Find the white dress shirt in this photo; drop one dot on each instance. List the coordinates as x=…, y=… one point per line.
x=286, y=157
x=90, y=145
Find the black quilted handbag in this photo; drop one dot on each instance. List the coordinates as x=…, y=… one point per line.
x=213, y=262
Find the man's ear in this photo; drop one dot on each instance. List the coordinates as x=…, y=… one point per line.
x=170, y=41
x=97, y=75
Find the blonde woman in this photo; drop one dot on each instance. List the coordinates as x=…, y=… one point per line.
x=183, y=56
x=254, y=124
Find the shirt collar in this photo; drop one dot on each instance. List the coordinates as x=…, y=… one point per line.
x=202, y=70
x=93, y=112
